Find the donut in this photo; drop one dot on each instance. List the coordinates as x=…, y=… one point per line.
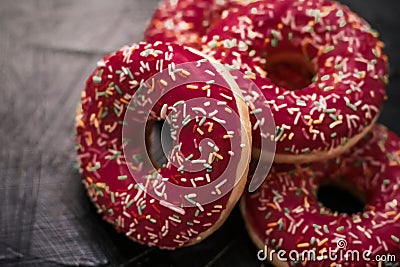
x=284, y=213
x=320, y=66
x=185, y=21
x=181, y=202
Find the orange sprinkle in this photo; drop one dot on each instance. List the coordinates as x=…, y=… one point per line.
x=210, y=127
x=303, y=245
x=390, y=213
x=323, y=241
x=283, y=137
x=228, y=136
x=397, y=217
x=206, y=87
x=272, y=206
x=306, y=204
x=123, y=100
x=218, y=156
x=273, y=224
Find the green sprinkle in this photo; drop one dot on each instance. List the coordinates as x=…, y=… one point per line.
x=202, y=121
x=338, y=66
x=365, y=215
x=374, y=61
x=298, y=191
x=350, y=105
x=290, y=36
x=280, y=225
x=190, y=223
x=316, y=226
x=152, y=220
x=339, y=13
x=325, y=78
x=118, y=89
x=130, y=204
x=105, y=113
x=112, y=197
x=254, y=11
x=330, y=110
x=101, y=94
x=342, y=23
x=252, y=53
x=326, y=230
x=312, y=241
x=395, y=238
x=268, y=215
x=386, y=182
x=328, y=88
x=287, y=211
x=300, y=102
x=314, y=78
x=210, y=82
x=329, y=49
x=256, y=111
x=375, y=52
x=333, y=135
x=95, y=167
x=196, y=213
x=96, y=79
x=122, y=177
x=340, y=228
x=348, y=91
x=274, y=42
x=281, y=97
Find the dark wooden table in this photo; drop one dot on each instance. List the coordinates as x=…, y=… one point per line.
x=47, y=50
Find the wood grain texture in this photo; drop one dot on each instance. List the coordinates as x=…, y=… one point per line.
x=47, y=50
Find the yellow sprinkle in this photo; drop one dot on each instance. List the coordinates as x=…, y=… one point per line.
x=228, y=136
x=291, y=136
x=192, y=86
x=199, y=131
x=228, y=110
x=185, y=72
x=206, y=87
x=163, y=82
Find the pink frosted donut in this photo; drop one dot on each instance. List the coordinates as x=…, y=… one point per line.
x=320, y=66
x=284, y=214
x=134, y=201
x=185, y=21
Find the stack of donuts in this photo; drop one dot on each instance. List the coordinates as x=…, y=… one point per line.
x=317, y=73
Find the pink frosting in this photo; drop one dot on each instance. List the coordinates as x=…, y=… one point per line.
x=286, y=215
x=122, y=201
x=347, y=93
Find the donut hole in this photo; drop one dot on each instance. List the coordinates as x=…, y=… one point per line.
x=341, y=199
x=290, y=70
x=157, y=138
